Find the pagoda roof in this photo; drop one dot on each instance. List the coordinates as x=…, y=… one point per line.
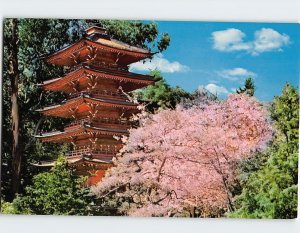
x=81, y=130
x=81, y=104
x=132, y=53
x=82, y=72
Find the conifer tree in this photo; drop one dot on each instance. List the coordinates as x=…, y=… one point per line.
x=248, y=88
x=271, y=192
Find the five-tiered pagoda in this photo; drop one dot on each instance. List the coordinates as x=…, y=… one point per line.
x=97, y=101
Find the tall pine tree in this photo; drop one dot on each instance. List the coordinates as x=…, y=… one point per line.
x=248, y=88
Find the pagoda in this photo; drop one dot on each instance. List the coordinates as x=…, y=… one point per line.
x=97, y=104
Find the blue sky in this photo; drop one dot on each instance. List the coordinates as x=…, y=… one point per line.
x=219, y=56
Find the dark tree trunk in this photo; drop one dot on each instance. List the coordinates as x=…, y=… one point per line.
x=15, y=115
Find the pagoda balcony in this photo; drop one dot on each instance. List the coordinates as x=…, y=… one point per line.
x=102, y=123
x=98, y=94
x=104, y=153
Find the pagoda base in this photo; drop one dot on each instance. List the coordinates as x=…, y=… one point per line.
x=93, y=171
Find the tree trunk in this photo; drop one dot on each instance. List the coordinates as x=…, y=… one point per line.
x=15, y=115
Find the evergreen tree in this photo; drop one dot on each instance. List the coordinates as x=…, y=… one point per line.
x=160, y=94
x=248, y=88
x=271, y=192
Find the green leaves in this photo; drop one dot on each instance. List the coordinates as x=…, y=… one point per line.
x=164, y=42
x=285, y=112
x=137, y=33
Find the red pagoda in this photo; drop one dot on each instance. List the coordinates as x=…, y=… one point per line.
x=97, y=102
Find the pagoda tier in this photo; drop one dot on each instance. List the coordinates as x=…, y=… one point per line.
x=86, y=76
x=101, y=48
x=85, y=104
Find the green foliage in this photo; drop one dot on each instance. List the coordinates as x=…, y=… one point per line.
x=59, y=191
x=285, y=113
x=248, y=88
x=161, y=95
x=271, y=191
x=7, y=208
x=136, y=33
x=34, y=38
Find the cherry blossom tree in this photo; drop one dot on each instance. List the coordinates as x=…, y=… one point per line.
x=183, y=161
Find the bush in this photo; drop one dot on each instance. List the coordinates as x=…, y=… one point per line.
x=57, y=192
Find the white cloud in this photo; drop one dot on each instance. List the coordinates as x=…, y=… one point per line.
x=268, y=39
x=215, y=89
x=265, y=40
x=236, y=74
x=160, y=63
x=229, y=40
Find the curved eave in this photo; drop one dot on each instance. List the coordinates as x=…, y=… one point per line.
x=58, y=136
x=59, y=83
x=77, y=46
x=60, y=109
x=73, y=160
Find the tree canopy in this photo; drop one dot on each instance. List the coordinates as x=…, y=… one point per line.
x=58, y=192
x=161, y=95
x=137, y=33
x=271, y=191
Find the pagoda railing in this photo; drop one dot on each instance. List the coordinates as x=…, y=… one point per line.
x=100, y=150
x=99, y=65
x=107, y=94
x=102, y=122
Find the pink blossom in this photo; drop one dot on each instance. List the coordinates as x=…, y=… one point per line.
x=184, y=158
